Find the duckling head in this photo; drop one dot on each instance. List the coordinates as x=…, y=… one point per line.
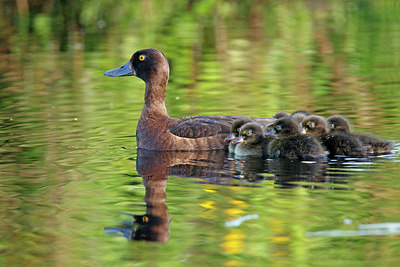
x=235, y=128
x=315, y=125
x=302, y=112
x=298, y=117
x=281, y=115
x=250, y=133
x=338, y=123
x=284, y=128
x=144, y=64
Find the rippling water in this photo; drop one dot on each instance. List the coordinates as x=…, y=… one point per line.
x=76, y=191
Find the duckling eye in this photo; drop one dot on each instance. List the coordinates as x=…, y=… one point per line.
x=142, y=57
x=311, y=124
x=249, y=133
x=278, y=127
x=332, y=126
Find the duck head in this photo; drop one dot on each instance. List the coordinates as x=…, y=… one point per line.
x=250, y=133
x=284, y=128
x=315, y=125
x=338, y=123
x=145, y=64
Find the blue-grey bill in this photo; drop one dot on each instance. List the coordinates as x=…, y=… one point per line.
x=124, y=70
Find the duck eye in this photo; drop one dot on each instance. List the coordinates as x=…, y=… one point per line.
x=142, y=57
x=278, y=127
x=332, y=126
x=311, y=124
x=249, y=133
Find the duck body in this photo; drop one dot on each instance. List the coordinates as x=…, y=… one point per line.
x=156, y=130
x=251, y=141
x=339, y=143
x=291, y=144
x=376, y=146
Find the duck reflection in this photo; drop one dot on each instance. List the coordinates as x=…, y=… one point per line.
x=215, y=167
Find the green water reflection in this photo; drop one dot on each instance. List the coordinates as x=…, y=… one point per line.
x=69, y=168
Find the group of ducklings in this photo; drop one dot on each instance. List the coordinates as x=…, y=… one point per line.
x=302, y=136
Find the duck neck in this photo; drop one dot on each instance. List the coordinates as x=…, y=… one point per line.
x=154, y=98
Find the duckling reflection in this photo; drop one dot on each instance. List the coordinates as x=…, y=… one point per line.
x=295, y=173
x=249, y=169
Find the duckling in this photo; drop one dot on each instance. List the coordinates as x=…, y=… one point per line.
x=336, y=144
x=235, y=132
x=156, y=130
x=303, y=112
x=251, y=141
x=291, y=144
x=338, y=123
x=281, y=115
x=299, y=116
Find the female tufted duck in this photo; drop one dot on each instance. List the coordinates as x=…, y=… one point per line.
x=155, y=129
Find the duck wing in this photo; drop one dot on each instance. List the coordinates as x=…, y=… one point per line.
x=202, y=126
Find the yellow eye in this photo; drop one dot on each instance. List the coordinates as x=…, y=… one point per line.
x=142, y=57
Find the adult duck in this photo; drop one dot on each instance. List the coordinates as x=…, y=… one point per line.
x=155, y=129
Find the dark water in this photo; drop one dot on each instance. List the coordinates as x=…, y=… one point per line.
x=75, y=190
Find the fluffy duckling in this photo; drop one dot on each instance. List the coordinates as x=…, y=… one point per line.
x=235, y=132
x=336, y=144
x=251, y=141
x=376, y=146
x=299, y=116
x=281, y=115
x=303, y=112
x=291, y=144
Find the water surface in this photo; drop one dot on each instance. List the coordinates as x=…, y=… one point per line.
x=76, y=191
